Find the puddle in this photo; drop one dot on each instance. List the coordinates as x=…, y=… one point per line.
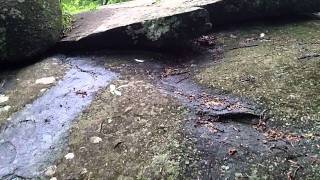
x=35, y=136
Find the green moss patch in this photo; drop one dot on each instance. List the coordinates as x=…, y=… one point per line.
x=277, y=66
x=140, y=131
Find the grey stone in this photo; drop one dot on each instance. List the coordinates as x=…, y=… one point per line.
x=140, y=23
x=166, y=23
x=28, y=28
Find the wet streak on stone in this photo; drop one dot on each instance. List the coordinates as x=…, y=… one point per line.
x=207, y=103
x=35, y=136
x=220, y=123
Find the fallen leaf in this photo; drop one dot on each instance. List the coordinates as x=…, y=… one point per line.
x=139, y=60
x=128, y=109
x=232, y=151
x=81, y=93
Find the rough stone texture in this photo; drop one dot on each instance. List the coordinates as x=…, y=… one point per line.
x=141, y=22
x=239, y=10
x=154, y=23
x=277, y=66
x=27, y=28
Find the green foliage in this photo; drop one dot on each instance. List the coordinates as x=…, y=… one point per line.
x=116, y=1
x=71, y=7
x=76, y=6
x=67, y=19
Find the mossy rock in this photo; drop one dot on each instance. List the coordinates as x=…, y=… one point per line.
x=28, y=28
x=275, y=64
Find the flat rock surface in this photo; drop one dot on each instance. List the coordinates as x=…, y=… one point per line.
x=243, y=106
x=124, y=15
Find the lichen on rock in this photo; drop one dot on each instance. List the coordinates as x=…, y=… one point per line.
x=3, y=46
x=28, y=28
x=155, y=29
x=279, y=70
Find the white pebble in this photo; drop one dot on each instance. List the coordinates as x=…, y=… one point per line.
x=3, y=98
x=51, y=170
x=95, y=140
x=114, y=90
x=69, y=156
x=46, y=80
x=4, y=109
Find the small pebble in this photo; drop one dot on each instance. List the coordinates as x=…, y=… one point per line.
x=3, y=98
x=43, y=90
x=69, y=156
x=84, y=171
x=51, y=170
x=95, y=140
x=4, y=109
x=46, y=80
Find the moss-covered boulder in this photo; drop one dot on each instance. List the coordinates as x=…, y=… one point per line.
x=28, y=28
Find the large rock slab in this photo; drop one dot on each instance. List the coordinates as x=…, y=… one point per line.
x=28, y=28
x=165, y=23
x=141, y=22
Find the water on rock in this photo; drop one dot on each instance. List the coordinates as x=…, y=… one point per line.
x=203, y=115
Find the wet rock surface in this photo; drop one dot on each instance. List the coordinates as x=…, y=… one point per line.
x=170, y=116
x=32, y=138
x=19, y=85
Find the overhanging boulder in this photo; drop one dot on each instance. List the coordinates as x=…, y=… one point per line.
x=166, y=23
x=138, y=23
